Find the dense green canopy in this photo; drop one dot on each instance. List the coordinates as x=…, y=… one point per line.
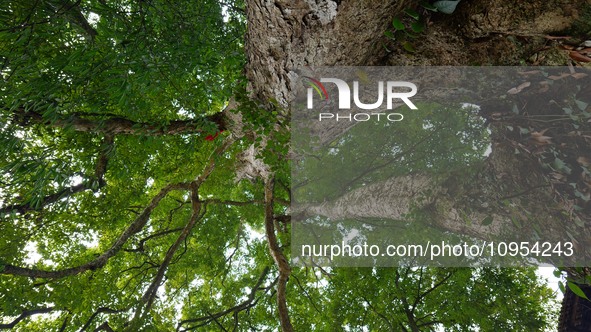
x=120, y=208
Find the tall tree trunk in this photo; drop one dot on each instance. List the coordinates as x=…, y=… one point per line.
x=575, y=312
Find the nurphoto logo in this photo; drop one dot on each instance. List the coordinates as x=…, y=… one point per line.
x=344, y=99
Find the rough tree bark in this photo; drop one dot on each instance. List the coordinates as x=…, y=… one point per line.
x=284, y=35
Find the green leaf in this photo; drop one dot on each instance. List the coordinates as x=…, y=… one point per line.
x=577, y=290
x=410, y=35
x=446, y=7
x=418, y=27
x=397, y=24
x=408, y=47
x=581, y=105
x=389, y=34
x=487, y=221
x=560, y=165
x=412, y=13
x=561, y=287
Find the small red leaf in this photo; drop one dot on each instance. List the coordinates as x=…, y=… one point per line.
x=213, y=137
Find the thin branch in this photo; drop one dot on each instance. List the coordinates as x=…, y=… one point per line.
x=406, y=308
x=217, y=322
x=278, y=257
x=118, y=125
x=243, y=203
x=419, y=285
x=235, y=315
x=381, y=315
x=286, y=219
x=101, y=310
x=322, y=270
x=100, y=261
x=105, y=327
x=49, y=199
x=150, y=294
x=392, y=159
x=429, y=323
x=25, y=314
x=73, y=14
x=100, y=170
x=307, y=295
x=65, y=323
x=197, y=214
x=233, y=203
x=140, y=247
x=244, y=305
x=437, y=285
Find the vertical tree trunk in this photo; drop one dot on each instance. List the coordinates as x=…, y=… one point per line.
x=575, y=312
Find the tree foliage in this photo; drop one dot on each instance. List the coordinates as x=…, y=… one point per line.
x=119, y=212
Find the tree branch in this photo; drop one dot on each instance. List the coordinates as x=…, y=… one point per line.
x=118, y=125
x=49, y=199
x=104, y=327
x=73, y=14
x=429, y=323
x=140, y=247
x=233, y=203
x=101, y=310
x=244, y=305
x=100, y=261
x=422, y=296
x=406, y=308
x=307, y=295
x=65, y=322
x=278, y=257
x=149, y=295
x=99, y=173
x=381, y=315
x=244, y=203
x=25, y=314
x=285, y=218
